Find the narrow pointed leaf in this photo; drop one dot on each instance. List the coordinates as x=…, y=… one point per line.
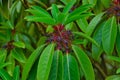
x=68, y=6
x=109, y=33
x=45, y=62
x=84, y=62
x=19, y=44
x=46, y=20
x=71, y=71
x=30, y=62
x=118, y=42
x=55, y=11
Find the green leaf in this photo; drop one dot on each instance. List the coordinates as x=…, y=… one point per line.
x=45, y=62
x=71, y=71
x=118, y=42
x=97, y=36
x=61, y=18
x=2, y=65
x=106, y=3
x=55, y=11
x=19, y=44
x=80, y=10
x=68, y=7
x=41, y=10
x=16, y=73
x=4, y=75
x=118, y=71
x=93, y=2
x=113, y=77
x=18, y=55
x=83, y=61
x=87, y=37
x=46, y=20
x=30, y=62
x=67, y=1
x=93, y=23
x=76, y=17
x=114, y=58
x=56, y=71
x=82, y=23
x=109, y=33
x=3, y=54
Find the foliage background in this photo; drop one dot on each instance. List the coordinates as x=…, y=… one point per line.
x=21, y=38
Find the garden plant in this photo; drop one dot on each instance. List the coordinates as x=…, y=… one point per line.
x=59, y=39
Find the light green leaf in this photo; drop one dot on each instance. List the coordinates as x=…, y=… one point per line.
x=2, y=65
x=71, y=71
x=45, y=62
x=109, y=33
x=4, y=75
x=118, y=42
x=55, y=11
x=113, y=77
x=41, y=10
x=30, y=62
x=93, y=2
x=19, y=44
x=46, y=20
x=67, y=1
x=114, y=58
x=84, y=62
x=118, y=71
x=16, y=73
x=68, y=6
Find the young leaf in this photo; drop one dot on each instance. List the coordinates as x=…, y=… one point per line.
x=19, y=44
x=114, y=58
x=55, y=11
x=56, y=71
x=4, y=75
x=45, y=62
x=16, y=73
x=85, y=63
x=46, y=20
x=30, y=62
x=41, y=10
x=68, y=7
x=109, y=33
x=71, y=71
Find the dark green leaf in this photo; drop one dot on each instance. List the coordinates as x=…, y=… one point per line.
x=56, y=69
x=16, y=73
x=118, y=42
x=71, y=71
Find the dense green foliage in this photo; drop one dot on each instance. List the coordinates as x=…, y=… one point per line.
x=59, y=39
